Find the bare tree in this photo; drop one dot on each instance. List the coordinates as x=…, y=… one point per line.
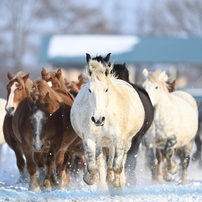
x=170, y=18
x=25, y=21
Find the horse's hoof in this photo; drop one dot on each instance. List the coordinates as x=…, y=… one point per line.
x=174, y=169
x=47, y=185
x=89, y=179
x=35, y=189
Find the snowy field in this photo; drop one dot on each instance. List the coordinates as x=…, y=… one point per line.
x=80, y=192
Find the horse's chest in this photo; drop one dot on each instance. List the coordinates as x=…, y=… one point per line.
x=103, y=141
x=165, y=127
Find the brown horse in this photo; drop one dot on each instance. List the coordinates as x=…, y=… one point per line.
x=42, y=122
x=56, y=80
x=18, y=88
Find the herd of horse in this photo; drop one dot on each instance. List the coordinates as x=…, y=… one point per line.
x=97, y=124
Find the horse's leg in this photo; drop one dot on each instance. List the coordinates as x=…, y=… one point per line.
x=121, y=150
x=101, y=168
x=59, y=167
x=39, y=160
x=151, y=157
x=185, y=159
x=197, y=155
x=51, y=178
x=132, y=155
x=31, y=168
x=123, y=176
x=91, y=170
x=160, y=162
x=66, y=170
x=20, y=161
x=63, y=167
x=169, y=155
x=110, y=159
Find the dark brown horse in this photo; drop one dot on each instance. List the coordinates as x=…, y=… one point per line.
x=18, y=88
x=42, y=123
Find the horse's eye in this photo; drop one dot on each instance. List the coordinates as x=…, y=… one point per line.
x=20, y=89
x=89, y=90
x=156, y=87
x=107, y=90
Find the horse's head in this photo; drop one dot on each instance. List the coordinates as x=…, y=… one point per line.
x=98, y=87
x=103, y=60
x=18, y=88
x=54, y=79
x=121, y=72
x=155, y=84
x=171, y=86
x=40, y=112
x=38, y=120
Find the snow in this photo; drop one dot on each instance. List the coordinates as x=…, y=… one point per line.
x=143, y=191
x=75, y=46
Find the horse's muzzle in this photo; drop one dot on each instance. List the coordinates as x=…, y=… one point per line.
x=10, y=111
x=38, y=148
x=99, y=122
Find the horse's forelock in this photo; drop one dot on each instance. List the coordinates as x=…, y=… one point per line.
x=154, y=78
x=44, y=88
x=96, y=67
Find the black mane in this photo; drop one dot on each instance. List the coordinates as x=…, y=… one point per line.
x=121, y=72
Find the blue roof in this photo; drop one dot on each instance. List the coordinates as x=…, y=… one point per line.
x=146, y=50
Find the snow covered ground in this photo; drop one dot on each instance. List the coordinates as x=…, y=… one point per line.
x=80, y=192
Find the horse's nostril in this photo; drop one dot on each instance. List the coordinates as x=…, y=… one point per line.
x=103, y=118
x=12, y=108
x=93, y=119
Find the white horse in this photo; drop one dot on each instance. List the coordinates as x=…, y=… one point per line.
x=2, y=115
x=107, y=112
x=175, y=121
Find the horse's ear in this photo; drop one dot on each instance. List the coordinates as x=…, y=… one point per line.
x=163, y=76
x=88, y=57
x=47, y=97
x=107, y=58
x=25, y=77
x=109, y=69
x=145, y=72
x=59, y=73
x=43, y=72
x=9, y=75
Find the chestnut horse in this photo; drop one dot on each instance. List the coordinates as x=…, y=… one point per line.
x=18, y=88
x=42, y=123
x=55, y=79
